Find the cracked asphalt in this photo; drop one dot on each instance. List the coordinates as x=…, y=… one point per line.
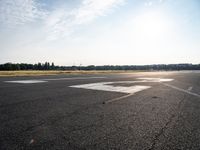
x=52, y=115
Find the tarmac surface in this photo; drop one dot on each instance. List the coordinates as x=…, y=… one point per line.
x=133, y=111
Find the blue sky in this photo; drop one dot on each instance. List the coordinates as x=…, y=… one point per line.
x=100, y=32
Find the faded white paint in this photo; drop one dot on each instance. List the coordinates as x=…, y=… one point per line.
x=108, y=86
x=55, y=79
x=156, y=79
x=182, y=90
x=75, y=78
x=27, y=81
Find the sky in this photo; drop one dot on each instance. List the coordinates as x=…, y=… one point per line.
x=100, y=32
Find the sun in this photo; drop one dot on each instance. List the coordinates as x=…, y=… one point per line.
x=151, y=25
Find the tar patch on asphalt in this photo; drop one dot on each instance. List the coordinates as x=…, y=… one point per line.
x=154, y=97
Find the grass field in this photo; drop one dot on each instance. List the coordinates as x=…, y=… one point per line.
x=55, y=72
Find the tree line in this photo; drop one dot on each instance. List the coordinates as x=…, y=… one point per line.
x=51, y=66
x=25, y=66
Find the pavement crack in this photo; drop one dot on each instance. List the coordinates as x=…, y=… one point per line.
x=32, y=127
x=163, y=129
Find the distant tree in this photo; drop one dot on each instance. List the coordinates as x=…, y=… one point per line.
x=48, y=65
x=39, y=66
x=52, y=66
x=8, y=66
x=17, y=67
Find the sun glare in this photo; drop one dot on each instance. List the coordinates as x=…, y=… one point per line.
x=151, y=25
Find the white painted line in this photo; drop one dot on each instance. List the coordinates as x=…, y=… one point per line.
x=156, y=79
x=182, y=90
x=118, y=98
x=26, y=81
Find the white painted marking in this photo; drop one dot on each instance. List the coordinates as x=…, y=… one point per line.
x=117, y=99
x=182, y=90
x=75, y=78
x=46, y=80
x=107, y=86
x=190, y=88
x=143, y=80
x=27, y=81
x=156, y=79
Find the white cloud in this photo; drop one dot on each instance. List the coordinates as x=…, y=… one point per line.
x=153, y=2
x=16, y=12
x=62, y=23
x=90, y=9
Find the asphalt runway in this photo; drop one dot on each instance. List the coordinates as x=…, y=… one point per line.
x=133, y=111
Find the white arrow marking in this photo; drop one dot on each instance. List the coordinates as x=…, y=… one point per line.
x=107, y=86
x=55, y=79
